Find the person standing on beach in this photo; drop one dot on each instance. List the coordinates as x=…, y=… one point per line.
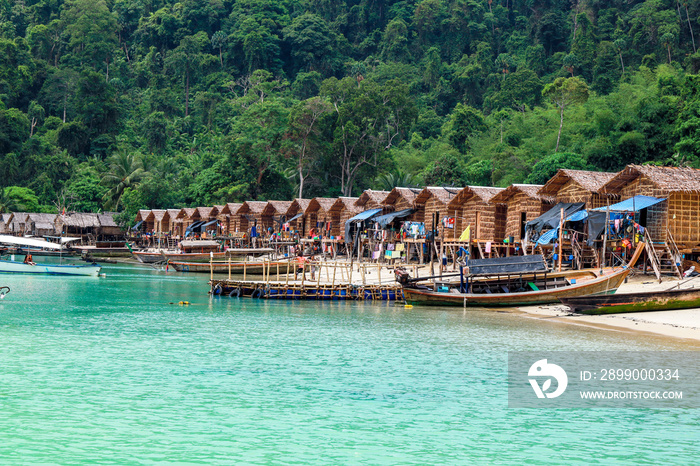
x=301, y=262
x=254, y=234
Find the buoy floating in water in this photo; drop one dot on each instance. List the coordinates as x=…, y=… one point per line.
x=184, y=303
x=408, y=306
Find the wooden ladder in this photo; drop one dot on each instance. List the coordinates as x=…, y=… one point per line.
x=672, y=249
x=651, y=253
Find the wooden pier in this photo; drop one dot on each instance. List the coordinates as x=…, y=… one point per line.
x=330, y=280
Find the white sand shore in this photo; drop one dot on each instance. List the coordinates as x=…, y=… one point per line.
x=682, y=324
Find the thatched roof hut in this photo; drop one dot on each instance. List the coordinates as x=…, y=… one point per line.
x=40, y=224
x=579, y=186
x=371, y=199
x=318, y=215
x=249, y=214
x=160, y=220
x=18, y=222
x=433, y=200
x=523, y=203
x=343, y=209
x=228, y=218
x=297, y=209
x=401, y=199
x=678, y=216
x=274, y=212
x=109, y=227
x=472, y=206
x=5, y=221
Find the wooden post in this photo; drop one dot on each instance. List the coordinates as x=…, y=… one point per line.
x=335, y=266
x=278, y=272
x=561, y=236
x=379, y=272
x=245, y=266
x=605, y=237
x=286, y=281
x=211, y=266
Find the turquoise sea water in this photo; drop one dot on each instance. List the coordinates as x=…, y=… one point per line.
x=109, y=371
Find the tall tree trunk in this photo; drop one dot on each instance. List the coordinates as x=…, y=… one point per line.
x=622, y=63
x=301, y=183
x=668, y=47
x=561, y=125
x=692, y=36
x=65, y=98
x=187, y=93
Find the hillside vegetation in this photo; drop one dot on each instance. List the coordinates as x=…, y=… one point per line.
x=152, y=103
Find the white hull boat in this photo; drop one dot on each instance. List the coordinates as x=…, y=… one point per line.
x=8, y=266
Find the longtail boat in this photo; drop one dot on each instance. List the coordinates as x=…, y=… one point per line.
x=539, y=290
x=634, y=302
x=251, y=268
x=88, y=270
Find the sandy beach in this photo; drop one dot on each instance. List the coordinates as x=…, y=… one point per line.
x=682, y=324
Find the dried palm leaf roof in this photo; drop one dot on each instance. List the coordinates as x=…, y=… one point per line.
x=588, y=180
x=80, y=220
x=6, y=217
x=187, y=213
x=318, y=203
x=277, y=207
x=444, y=195
x=231, y=208
x=371, y=195
x=669, y=179
x=298, y=205
x=142, y=215
x=207, y=212
x=409, y=194
x=106, y=219
x=255, y=207
x=530, y=190
x=347, y=203
x=483, y=193
x=157, y=215
x=42, y=221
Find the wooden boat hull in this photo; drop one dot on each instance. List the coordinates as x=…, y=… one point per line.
x=255, y=268
x=193, y=256
x=606, y=283
x=50, y=269
x=148, y=257
x=634, y=302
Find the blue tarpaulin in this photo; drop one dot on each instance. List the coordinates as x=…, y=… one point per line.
x=384, y=220
x=548, y=236
x=136, y=227
x=635, y=203
x=361, y=217
x=201, y=227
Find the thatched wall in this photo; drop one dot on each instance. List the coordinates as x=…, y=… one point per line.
x=573, y=192
x=371, y=199
x=318, y=215
x=343, y=209
x=522, y=208
x=249, y=214
x=298, y=206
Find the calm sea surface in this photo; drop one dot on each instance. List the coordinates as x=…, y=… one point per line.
x=113, y=370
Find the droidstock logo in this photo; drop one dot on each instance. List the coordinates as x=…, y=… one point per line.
x=543, y=369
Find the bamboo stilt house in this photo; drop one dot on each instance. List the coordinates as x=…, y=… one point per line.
x=207, y=215
x=142, y=216
x=159, y=219
x=433, y=201
x=523, y=203
x=275, y=214
x=473, y=207
x=40, y=224
x=173, y=225
x=228, y=218
x=579, y=186
x=249, y=214
x=5, y=222
x=318, y=215
x=187, y=217
x=371, y=199
x=83, y=225
x=678, y=215
x=402, y=199
x=342, y=210
x=297, y=211
x=109, y=227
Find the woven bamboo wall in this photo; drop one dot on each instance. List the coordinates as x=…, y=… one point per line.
x=573, y=192
x=298, y=224
x=432, y=205
x=642, y=186
x=683, y=217
x=343, y=216
x=517, y=204
x=317, y=219
x=487, y=224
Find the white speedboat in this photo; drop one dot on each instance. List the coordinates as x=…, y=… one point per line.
x=88, y=270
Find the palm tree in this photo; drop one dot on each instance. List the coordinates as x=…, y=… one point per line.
x=389, y=181
x=124, y=171
x=8, y=204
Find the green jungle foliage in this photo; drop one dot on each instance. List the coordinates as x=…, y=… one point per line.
x=127, y=104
